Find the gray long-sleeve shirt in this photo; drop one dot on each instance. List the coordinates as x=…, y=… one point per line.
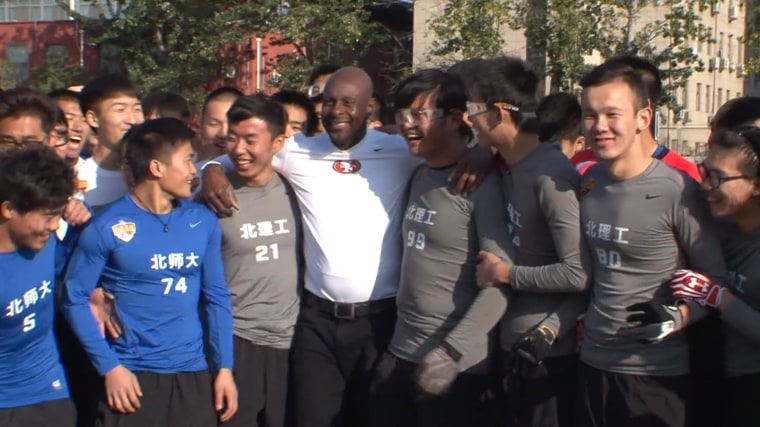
x=551, y=259
x=640, y=230
x=741, y=317
x=261, y=249
x=438, y=296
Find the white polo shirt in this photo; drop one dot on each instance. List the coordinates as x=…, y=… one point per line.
x=352, y=203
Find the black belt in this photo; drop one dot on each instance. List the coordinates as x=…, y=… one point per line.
x=347, y=310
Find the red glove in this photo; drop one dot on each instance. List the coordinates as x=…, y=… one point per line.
x=686, y=284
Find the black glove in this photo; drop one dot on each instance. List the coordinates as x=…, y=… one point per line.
x=651, y=322
x=528, y=352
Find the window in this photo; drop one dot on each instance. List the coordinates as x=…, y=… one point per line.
x=720, y=97
x=18, y=57
x=698, y=107
x=721, y=52
x=31, y=10
x=708, y=106
x=730, y=49
x=728, y=94
x=56, y=54
x=685, y=96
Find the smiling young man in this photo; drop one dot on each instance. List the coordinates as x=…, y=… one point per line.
x=262, y=254
x=77, y=129
x=437, y=364
x=111, y=107
x=643, y=221
x=157, y=254
x=34, y=188
x=214, y=121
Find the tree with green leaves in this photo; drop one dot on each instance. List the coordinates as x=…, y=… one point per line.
x=667, y=42
x=338, y=32
x=176, y=45
x=752, y=38
x=468, y=29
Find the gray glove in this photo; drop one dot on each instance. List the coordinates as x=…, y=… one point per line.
x=653, y=322
x=436, y=372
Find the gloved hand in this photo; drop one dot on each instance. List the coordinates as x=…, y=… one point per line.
x=436, y=372
x=528, y=352
x=652, y=322
x=686, y=284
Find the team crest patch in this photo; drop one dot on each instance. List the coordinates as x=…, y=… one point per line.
x=346, y=166
x=124, y=231
x=586, y=186
x=82, y=185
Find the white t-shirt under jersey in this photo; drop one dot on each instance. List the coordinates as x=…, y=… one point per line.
x=100, y=186
x=352, y=204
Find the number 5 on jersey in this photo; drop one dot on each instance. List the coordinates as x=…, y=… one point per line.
x=180, y=286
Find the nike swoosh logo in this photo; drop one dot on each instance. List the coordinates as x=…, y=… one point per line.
x=653, y=196
x=195, y=224
x=377, y=149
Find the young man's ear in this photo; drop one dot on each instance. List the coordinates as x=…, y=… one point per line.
x=91, y=118
x=277, y=143
x=6, y=210
x=156, y=168
x=643, y=118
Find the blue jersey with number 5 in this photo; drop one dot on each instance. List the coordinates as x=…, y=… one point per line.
x=156, y=267
x=30, y=368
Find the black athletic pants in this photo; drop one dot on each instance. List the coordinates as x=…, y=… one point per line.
x=742, y=401
x=544, y=397
x=181, y=399
x=52, y=413
x=607, y=399
x=396, y=400
x=335, y=351
x=261, y=376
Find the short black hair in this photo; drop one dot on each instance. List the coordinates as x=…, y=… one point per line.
x=167, y=104
x=59, y=118
x=558, y=114
x=64, y=95
x=35, y=178
x=503, y=79
x=300, y=100
x=378, y=112
x=611, y=72
x=321, y=70
x=262, y=107
x=21, y=102
x=230, y=91
x=153, y=140
x=737, y=112
x=451, y=92
x=105, y=87
x=745, y=139
x=646, y=69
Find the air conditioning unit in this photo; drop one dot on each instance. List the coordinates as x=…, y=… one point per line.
x=686, y=117
x=715, y=7
x=723, y=64
x=741, y=71
x=680, y=116
x=713, y=65
x=731, y=67
x=733, y=14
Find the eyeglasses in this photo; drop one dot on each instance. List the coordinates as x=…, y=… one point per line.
x=59, y=138
x=714, y=178
x=475, y=108
x=9, y=142
x=405, y=115
x=313, y=91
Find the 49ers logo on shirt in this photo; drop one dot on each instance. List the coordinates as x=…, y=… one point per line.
x=346, y=166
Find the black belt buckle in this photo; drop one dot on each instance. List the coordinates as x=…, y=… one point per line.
x=343, y=310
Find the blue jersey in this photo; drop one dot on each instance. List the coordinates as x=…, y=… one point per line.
x=157, y=278
x=30, y=368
